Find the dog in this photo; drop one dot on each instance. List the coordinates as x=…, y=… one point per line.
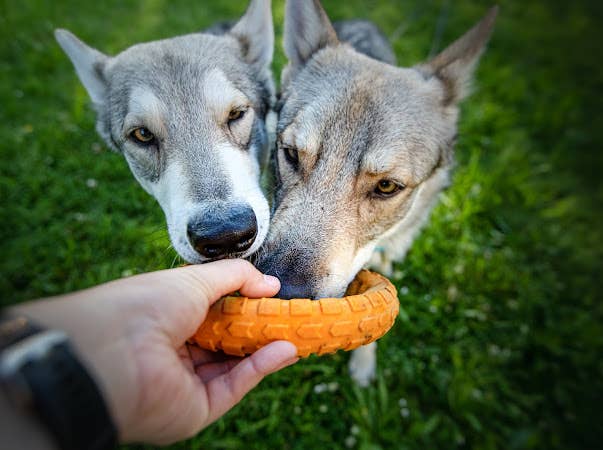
x=363, y=150
x=189, y=115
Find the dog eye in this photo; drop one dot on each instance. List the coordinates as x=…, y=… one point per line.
x=387, y=188
x=292, y=155
x=142, y=135
x=235, y=115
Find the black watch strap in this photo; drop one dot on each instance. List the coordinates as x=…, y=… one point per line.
x=60, y=390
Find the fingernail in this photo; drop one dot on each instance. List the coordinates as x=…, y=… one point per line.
x=272, y=281
x=288, y=349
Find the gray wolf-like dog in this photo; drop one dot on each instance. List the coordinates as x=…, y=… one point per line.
x=364, y=149
x=188, y=114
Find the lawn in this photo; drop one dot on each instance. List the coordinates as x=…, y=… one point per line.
x=499, y=342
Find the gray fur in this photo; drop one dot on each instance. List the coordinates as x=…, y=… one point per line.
x=354, y=121
x=220, y=28
x=307, y=29
x=191, y=129
x=366, y=38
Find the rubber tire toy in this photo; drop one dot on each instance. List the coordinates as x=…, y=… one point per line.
x=241, y=325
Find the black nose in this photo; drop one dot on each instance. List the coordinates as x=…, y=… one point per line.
x=224, y=231
x=295, y=276
x=291, y=290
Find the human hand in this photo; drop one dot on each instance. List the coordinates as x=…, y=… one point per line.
x=132, y=334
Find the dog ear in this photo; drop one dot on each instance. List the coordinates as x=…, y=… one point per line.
x=307, y=30
x=88, y=64
x=255, y=32
x=456, y=64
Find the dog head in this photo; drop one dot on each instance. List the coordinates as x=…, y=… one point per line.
x=362, y=148
x=188, y=114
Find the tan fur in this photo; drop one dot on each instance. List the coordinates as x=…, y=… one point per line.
x=353, y=121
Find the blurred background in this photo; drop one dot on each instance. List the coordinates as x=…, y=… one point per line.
x=499, y=342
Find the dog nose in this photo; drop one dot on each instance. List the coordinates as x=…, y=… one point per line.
x=219, y=234
x=293, y=290
x=295, y=280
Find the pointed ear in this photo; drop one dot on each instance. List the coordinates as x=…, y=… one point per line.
x=456, y=64
x=255, y=32
x=307, y=30
x=88, y=64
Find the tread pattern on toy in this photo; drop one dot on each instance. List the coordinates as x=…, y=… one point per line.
x=241, y=325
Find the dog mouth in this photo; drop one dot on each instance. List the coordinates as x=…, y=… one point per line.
x=216, y=249
x=191, y=256
x=226, y=256
x=299, y=277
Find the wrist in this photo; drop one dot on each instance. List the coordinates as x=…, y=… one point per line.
x=101, y=324
x=42, y=376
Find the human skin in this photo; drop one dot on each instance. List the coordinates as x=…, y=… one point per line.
x=132, y=335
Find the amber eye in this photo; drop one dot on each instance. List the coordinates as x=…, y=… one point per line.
x=387, y=188
x=142, y=135
x=235, y=114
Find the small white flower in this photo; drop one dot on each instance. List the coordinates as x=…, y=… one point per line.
x=402, y=403
x=350, y=441
x=452, y=292
x=355, y=429
x=323, y=408
x=404, y=290
x=320, y=388
x=494, y=350
x=404, y=412
x=91, y=183
x=333, y=386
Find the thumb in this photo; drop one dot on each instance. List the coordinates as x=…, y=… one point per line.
x=226, y=276
x=199, y=286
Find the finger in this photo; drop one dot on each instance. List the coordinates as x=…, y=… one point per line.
x=194, y=288
x=185, y=356
x=226, y=276
x=209, y=371
x=228, y=389
x=201, y=356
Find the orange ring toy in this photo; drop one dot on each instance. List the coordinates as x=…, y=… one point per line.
x=241, y=325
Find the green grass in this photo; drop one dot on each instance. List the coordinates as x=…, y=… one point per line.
x=499, y=342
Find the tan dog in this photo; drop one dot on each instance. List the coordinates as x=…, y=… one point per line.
x=364, y=148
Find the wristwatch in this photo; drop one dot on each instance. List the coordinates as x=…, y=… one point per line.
x=40, y=373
